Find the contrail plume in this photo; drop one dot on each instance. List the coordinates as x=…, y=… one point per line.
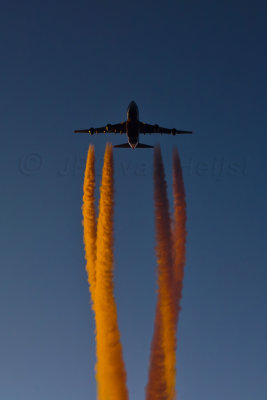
x=110, y=370
x=170, y=253
x=89, y=220
x=156, y=388
x=164, y=340
x=179, y=228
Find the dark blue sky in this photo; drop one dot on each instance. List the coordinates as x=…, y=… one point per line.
x=187, y=64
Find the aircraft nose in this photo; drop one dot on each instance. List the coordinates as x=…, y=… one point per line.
x=132, y=106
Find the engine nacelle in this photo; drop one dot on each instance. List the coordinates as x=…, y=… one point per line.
x=173, y=131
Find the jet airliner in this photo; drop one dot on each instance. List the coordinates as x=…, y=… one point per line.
x=132, y=127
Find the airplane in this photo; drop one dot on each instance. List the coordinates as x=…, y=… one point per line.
x=132, y=128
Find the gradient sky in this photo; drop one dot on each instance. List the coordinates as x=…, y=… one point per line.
x=69, y=65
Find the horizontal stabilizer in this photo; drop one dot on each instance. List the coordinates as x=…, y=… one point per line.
x=144, y=146
x=139, y=146
x=122, y=146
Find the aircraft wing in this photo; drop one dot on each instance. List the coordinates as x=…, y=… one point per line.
x=146, y=128
x=116, y=128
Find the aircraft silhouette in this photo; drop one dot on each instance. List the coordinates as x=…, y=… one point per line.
x=132, y=128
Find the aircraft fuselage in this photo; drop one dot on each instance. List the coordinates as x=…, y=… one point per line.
x=132, y=124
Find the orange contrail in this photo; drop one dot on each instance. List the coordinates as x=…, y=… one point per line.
x=171, y=260
x=156, y=388
x=89, y=220
x=110, y=370
x=164, y=340
x=179, y=228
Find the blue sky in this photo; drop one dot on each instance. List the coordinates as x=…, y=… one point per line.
x=190, y=65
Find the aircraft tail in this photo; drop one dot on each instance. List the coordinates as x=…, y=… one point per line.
x=139, y=146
